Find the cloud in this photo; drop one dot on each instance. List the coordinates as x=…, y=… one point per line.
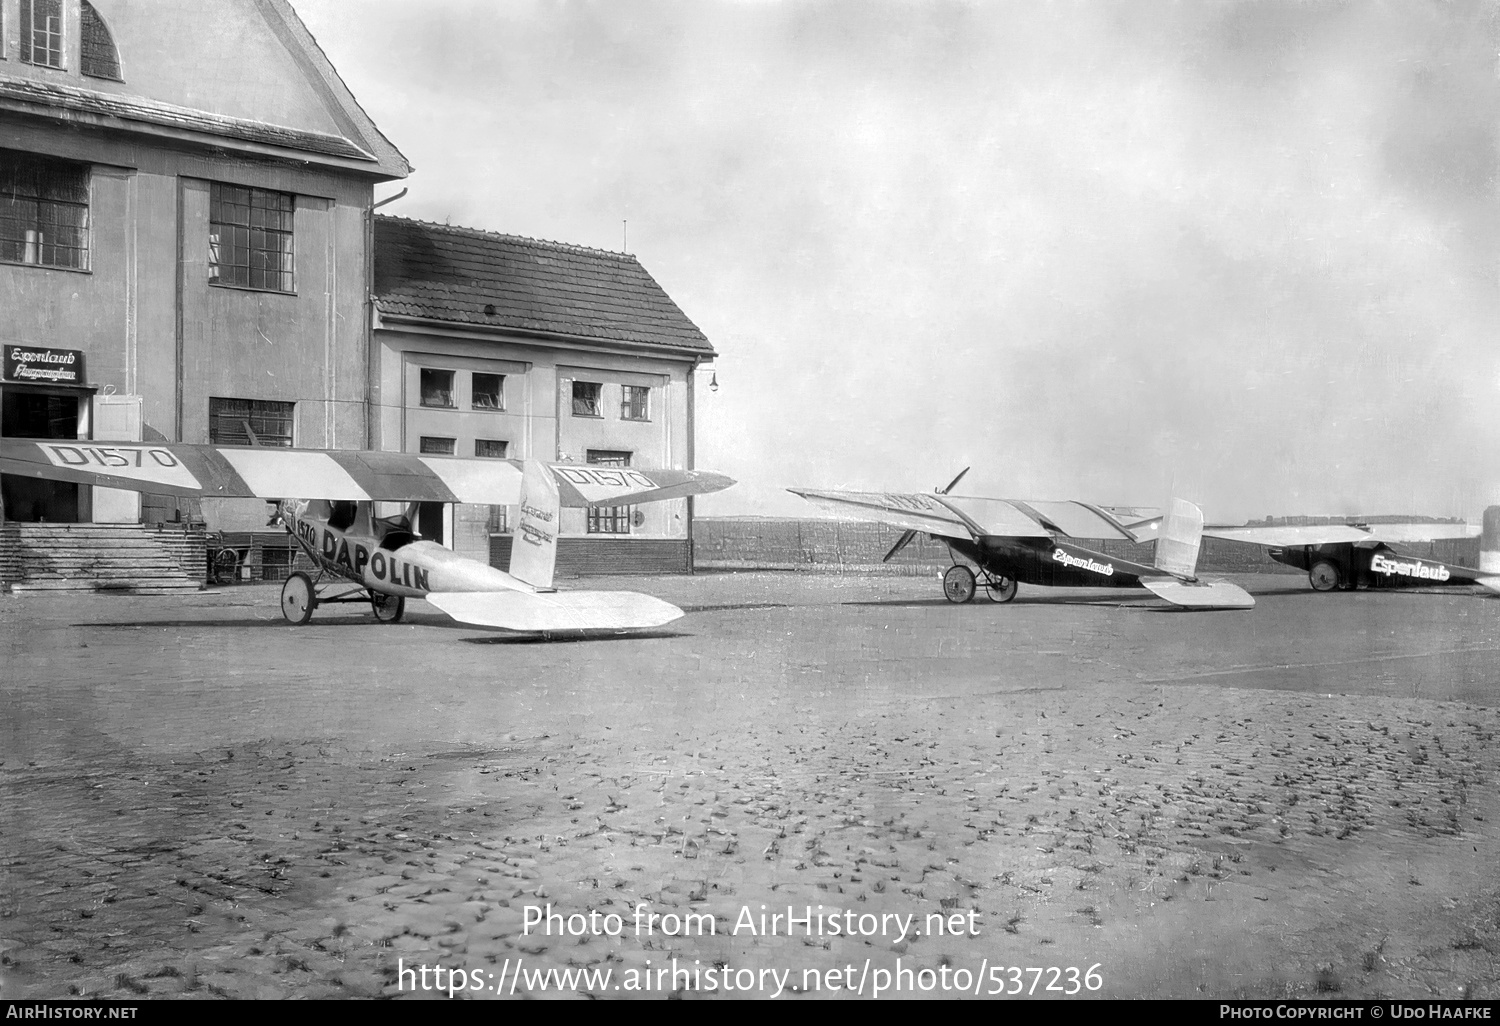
x=1096, y=250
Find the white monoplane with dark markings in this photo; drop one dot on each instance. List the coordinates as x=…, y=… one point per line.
x=1346, y=556
x=362, y=557
x=1016, y=542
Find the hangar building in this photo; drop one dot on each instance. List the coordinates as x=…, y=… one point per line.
x=188, y=252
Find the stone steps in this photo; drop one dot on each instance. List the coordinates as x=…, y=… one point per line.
x=113, y=558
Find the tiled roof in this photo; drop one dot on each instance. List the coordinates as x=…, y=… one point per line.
x=451, y=274
x=166, y=115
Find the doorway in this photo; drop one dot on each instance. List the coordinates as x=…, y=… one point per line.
x=430, y=521
x=37, y=414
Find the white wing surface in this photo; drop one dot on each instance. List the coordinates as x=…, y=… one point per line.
x=557, y=610
x=945, y=515
x=1331, y=534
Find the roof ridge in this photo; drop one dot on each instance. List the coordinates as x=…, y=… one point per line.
x=486, y=233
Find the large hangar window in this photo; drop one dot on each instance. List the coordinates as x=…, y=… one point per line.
x=97, y=57
x=250, y=422
x=250, y=238
x=44, y=211
x=42, y=33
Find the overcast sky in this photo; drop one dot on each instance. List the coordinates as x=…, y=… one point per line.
x=1248, y=252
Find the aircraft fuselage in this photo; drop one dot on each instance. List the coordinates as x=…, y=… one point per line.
x=395, y=564
x=1375, y=566
x=1052, y=563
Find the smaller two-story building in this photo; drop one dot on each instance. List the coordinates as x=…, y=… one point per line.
x=497, y=346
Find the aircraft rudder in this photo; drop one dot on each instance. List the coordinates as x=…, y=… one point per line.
x=1489, y=542
x=533, y=551
x=1179, y=538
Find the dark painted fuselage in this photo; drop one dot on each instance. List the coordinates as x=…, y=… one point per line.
x=1052, y=563
x=1375, y=566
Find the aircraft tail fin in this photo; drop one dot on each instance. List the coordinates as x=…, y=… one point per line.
x=1489, y=542
x=1181, y=534
x=533, y=553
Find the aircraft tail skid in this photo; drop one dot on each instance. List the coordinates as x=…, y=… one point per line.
x=533, y=553
x=556, y=611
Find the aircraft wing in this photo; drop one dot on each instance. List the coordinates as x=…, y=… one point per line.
x=556, y=611
x=963, y=516
x=221, y=471
x=1330, y=534
x=945, y=515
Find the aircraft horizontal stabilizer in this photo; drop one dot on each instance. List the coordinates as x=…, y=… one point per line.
x=1489, y=584
x=556, y=611
x=1201, y=594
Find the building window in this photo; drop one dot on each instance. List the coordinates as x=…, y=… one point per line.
x=490, y=448
x=437, y=388
x=250, y=422
x=432, y=446
x=609, y=519
x=97, y=56
x=635, y=404
x=586, y=399
x=489, y=391
x=250, y=238
x=44, y=211
x=42, y=32
x=499, y=520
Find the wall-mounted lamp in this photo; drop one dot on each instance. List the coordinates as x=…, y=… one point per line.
x=713, y=382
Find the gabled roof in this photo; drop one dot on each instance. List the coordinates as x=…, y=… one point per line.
x=469, y=277
x=358, y=124
x=271, y=92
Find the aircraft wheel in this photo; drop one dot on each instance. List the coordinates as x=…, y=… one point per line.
x=388, y=608
x=1006, y=589
x=1325, y=576
x=298, y=600
x=958, y=584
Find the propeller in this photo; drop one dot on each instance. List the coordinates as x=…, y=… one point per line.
x=907, y=536
x=955, y=481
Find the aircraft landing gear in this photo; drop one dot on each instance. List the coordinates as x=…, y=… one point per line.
x=387, y=608
x=1002, y=589
x=298, y=599
x=1324, y=576
x=958, y=584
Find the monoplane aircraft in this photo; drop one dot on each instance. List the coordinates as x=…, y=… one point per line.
x=1014, y=542
x=1342, y=557
x=363, y=557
